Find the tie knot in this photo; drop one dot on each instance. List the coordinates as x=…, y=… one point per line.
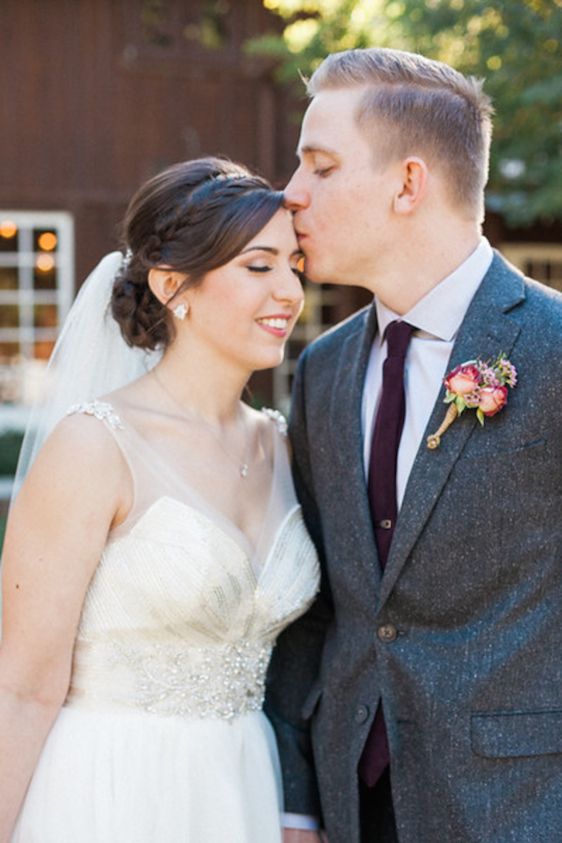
x=398, y=335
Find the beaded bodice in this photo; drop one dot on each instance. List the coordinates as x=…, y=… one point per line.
x=177, y=619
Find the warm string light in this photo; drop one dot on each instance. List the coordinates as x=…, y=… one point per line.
x=45, y=262
x=8, y=229
x=47, y=241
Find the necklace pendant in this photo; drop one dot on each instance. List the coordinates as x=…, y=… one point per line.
x=244, y=470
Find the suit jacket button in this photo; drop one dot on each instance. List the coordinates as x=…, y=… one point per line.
x=387, y=633
x=361, y=713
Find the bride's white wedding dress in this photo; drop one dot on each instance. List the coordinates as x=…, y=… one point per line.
x=162, y=738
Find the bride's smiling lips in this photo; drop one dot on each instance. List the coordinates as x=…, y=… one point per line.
x=276, y=324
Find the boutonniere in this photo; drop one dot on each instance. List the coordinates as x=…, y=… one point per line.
x=475, y=385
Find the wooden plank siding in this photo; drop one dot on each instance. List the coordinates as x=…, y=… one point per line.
x=89, y=108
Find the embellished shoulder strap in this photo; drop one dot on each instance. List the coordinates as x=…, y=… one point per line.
x=100, y=409
x=277, y=418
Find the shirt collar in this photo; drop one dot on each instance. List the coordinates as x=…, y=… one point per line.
x=441, y=311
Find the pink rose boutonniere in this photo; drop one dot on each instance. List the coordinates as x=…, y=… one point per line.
x=475, y=385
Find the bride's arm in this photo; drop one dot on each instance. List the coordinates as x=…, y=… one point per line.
x=55, y=535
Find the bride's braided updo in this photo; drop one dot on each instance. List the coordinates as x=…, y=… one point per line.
x=192, y=218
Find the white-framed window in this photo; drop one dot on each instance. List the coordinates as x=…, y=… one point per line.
x=36, y=291
x=541, y=261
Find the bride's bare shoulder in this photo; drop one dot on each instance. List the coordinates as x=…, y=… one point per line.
x=79, y=476
x=83, y=442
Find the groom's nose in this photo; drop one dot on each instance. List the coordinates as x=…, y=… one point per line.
x=296, y=196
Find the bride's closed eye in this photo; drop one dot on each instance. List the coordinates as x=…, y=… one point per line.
x=294, y=269
x=253, y=268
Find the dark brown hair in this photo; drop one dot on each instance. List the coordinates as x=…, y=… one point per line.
x=193, y=217
x=418, y=106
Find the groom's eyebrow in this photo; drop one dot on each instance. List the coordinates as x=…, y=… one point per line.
x=315, y=150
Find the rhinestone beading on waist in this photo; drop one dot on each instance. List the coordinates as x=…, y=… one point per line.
x=222, y=681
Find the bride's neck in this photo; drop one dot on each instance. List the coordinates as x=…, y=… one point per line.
x=200, y=386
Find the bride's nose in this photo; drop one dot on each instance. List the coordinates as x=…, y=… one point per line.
x=288, y=288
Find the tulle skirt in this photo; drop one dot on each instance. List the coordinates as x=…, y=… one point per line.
x=130, y=777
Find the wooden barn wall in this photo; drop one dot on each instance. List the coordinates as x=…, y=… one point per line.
x=89, y=107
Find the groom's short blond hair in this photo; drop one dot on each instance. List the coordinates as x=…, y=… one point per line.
x=418, y=106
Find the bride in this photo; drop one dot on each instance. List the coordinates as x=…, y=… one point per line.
x=156, y=548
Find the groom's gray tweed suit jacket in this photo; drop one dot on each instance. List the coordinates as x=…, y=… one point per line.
x=462, y=635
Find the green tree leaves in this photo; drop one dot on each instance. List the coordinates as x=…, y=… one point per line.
x=514, y=44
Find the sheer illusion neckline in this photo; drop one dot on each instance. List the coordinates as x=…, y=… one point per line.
x=200, y=503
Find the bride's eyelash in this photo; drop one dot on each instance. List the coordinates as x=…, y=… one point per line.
x=259, y=268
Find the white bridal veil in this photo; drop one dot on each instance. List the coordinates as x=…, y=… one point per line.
x=90, y=359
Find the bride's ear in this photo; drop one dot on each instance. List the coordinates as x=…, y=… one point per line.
x=165, y=283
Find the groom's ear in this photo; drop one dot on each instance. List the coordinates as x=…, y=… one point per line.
x=165, y=283
x=414, y=176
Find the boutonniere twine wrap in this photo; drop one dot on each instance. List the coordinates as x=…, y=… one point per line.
x=475, y=385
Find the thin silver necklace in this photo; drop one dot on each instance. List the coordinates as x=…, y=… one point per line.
x=243, y=466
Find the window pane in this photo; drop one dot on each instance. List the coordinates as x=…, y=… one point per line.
x=42, y=349
x=44, y=273
x=9, y=316
x=45, y=240
x=296, y=348
x=7, y=350
x=45, y=316
x=9, y=387
x=9, y=238
x=34, y=252
x=327, y=314
x=8, y=278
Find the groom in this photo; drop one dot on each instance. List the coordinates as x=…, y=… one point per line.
x=420, y=699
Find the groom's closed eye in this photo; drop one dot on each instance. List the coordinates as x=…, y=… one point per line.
x=323, y=171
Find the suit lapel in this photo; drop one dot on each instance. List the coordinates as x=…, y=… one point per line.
x=346, y=428
x=486, y=331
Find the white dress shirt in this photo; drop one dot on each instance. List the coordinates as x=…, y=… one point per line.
x=437, y=319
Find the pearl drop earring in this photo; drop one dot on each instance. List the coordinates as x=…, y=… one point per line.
x=180, y=311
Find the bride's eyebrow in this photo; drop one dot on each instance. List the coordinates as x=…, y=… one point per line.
x=296, y=253
x=269, y=249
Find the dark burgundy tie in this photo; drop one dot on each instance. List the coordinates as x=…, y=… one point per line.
x=383, y=501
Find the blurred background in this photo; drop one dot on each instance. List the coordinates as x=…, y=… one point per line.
x=98, y=95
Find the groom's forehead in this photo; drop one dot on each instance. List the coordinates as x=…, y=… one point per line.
x=330, y=120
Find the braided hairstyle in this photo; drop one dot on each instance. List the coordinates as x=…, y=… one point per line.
x=192, y=218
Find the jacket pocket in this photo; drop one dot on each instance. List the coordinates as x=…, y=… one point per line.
x=516, y=734
x=535, y=448
x=311, y=701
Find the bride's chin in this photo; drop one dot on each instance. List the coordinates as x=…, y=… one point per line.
x=268, y=360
